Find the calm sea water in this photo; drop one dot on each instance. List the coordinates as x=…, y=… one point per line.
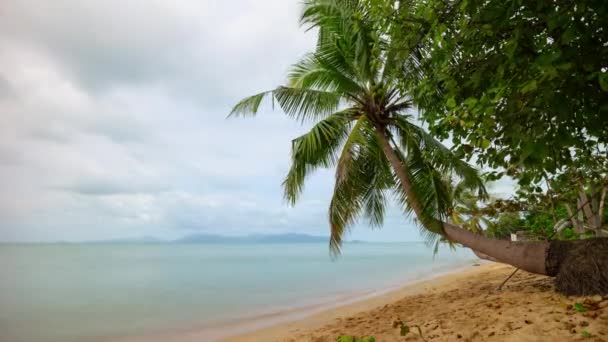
x=80, y=292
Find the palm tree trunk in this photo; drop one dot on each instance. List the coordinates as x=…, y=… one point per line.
x=529, y=256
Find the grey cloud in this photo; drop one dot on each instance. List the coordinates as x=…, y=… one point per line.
x=121, y=130
x=98, y=41
x=51, y=134
x=8, y=157
x=103, y=188
x=202, y=50
x=5, y=89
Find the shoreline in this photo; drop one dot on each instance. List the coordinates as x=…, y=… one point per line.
x=271, y=324
x=462, y=304
x=293, y=325
x=261, y=323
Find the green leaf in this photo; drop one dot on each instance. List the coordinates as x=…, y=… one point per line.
x=470, y=102
x=569, y=35
x=429, y=14
x=405, y=329
x=529, y=86
x=345, y=338
x=366, y=339
x=603, y=79
x=579, y=307
x=451, y=103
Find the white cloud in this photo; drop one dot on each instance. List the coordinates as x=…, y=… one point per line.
x=115, y=120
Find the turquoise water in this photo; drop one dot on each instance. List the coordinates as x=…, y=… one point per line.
x=80, y=292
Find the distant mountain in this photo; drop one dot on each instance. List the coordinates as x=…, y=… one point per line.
x=143, y=239
x=256, y=238
x=215, y=238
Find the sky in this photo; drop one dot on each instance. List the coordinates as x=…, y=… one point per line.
x=114, y=122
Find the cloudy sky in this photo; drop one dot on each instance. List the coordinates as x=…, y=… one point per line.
x=114, y=121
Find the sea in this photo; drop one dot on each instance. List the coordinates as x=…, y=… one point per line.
x=105, y=292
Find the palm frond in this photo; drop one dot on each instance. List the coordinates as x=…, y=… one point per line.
x=317, y=148
x=355, y=139
x=361, y=183
x=249, y=105
x=345, y=24
x=332, y=16
x=325, y=69
x=375, y=203
x=415, y=140
x=299, y=103
x=306, y=104
x=431, y=192
x=433, y=168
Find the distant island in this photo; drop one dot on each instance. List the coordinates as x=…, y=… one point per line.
x=216, y=238
x=254, y=238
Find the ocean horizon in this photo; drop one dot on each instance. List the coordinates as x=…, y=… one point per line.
x=84, y=291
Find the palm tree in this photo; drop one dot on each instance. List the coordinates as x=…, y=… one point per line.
x=349, y=85
x=359, y=107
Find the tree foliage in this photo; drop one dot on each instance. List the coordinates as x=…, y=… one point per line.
x=520, y=85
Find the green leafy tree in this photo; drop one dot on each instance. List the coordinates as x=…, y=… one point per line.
x=351, y=86
x=520, y=85
x=468, y=212
x=505, y=224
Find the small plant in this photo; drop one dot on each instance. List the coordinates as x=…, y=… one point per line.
x=345, y=338
x=585, y=333
x=404, y=329
x=367, y=339
x=579, y=307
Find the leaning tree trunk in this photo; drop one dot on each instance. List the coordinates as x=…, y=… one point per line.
x=580, y=267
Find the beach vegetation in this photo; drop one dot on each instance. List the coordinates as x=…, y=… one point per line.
x=579, y=307
x=405, y=329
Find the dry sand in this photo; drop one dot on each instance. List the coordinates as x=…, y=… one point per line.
x=457, y=307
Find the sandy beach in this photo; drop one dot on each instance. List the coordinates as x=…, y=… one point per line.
x=463, y=306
